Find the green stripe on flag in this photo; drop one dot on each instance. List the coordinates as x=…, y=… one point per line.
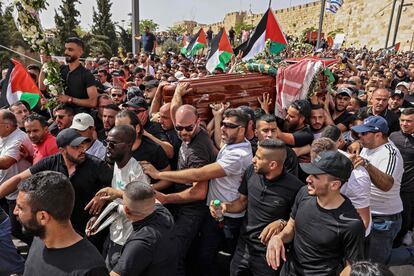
x=31, y=98
x=276, y=48
x=196, y=48
x=224, y=58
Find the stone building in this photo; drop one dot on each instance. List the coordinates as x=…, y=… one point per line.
x=364, y=22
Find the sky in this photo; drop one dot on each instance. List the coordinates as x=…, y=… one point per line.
x=166, y=12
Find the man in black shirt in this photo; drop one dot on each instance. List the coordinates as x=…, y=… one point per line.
x=340, y=117
x=296, y=133
x=188, y=200
x=44, y=206
x=324, y=226
x=80, y=88
x=268, y=193
x=168, y=127
x=151, y=249
x=87, y=174
x=379, y=107
x=404, y=141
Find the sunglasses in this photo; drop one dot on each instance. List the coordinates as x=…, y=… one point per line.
x=116, y=95
x=187, y=128
x=112, y=144
x=229, y=125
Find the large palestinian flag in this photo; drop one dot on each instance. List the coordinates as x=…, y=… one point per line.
x=220, y=52
x=19, y=85
x=198, y=42
x=267, y=29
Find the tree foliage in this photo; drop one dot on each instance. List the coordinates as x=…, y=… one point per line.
x=96, y=46
x=242, y=26
x=153, y=27
x=176, y=30
x=66, y=22
x=103, y=24
x=125, y=39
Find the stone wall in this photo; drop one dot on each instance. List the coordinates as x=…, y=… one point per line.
x=364, y=22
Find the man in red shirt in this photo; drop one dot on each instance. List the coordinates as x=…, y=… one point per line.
x=44, y=143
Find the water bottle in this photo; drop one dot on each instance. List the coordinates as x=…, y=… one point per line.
x=219, y=213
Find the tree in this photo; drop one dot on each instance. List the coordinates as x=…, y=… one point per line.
x=148, y=23
x=103, y=25
x=176, y=30
x=242, y=26
x=96, y=46
x=125, y=39
x=66, y=23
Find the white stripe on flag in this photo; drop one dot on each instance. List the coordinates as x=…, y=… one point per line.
x=213, y=61
x=257, y=47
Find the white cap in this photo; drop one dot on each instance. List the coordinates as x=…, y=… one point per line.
x=82, y=121
x=403, y=83
x=179, y=75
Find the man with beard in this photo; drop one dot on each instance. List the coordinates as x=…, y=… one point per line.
x=108, y=119
x=87, y=174
x=80, y=92
x=126, y=170
x=63, y=118
x=317, y=121
x=297, y=132
x=44, y=143
x=340, y=117
x=168, y=127
x=225, y=176
x=44, y=206
x=149, y=41
x=150, y=87
x=395, y=102
x=325, y=228
x=379, y=107
x=267, y=193
x=117, y=95
x=21, y=110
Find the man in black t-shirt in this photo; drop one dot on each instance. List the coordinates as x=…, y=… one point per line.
x=80, y=84
x=267, y=192
x=325, y=228
x=151, y=249
x=188, y=200
x=296, y=133
x=340, y=117
x=44, y=206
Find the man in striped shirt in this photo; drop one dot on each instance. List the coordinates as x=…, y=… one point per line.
x=384, y=164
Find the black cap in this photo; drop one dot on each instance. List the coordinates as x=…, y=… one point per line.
x=151, y=84
x=303, y=106
x=69, y=137
x=330, y=162
x=397, y=92
x=136, y=102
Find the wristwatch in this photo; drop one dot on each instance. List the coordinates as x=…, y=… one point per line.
x=366, y=163
x=283, y=223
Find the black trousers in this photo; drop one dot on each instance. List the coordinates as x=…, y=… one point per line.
x=407, y=217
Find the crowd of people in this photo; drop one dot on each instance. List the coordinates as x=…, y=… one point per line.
x=115, y=181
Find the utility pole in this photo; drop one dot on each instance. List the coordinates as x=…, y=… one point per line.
x=318, y=43
x=397, y=24
x=389, y=24
x=135, y=27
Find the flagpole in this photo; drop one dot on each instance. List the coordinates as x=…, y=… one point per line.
x=270, y=3
x=23, y=55
x=318, y=43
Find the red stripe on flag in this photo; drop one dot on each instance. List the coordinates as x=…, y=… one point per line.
x=273, y=30
x=224, y=44
x=21, y=80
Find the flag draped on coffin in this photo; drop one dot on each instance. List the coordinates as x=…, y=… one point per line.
x=198, y=42
x=268, y=28
x=19, y=85
x=220, y=52
x=334, y=5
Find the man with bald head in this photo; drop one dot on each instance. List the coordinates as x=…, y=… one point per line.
x=379, y=107
x=188, y=200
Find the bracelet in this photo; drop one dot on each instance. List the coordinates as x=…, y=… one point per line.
x=70, y=100
x=366, y=163
x=283, y=222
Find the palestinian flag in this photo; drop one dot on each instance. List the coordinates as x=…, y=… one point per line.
x=198, y=42
x=184, y=45
x=19, y=85
x=267, y=29
x=394, y=48
x=220, y=52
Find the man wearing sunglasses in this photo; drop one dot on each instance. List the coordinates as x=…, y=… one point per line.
x=225, y=176
x=117, y=95
x=384, y=164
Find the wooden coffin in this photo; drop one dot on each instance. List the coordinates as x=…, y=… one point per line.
x=238, y=89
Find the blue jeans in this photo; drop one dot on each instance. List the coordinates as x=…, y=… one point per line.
x=10, y=260
x=379, y=242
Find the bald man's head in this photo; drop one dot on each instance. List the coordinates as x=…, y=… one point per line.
x=165, y=117
x=187, y=122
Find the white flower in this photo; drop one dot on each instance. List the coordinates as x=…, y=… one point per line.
x=45, y=81
x=33, y=28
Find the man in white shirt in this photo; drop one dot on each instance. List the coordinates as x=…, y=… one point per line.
x=384, y=164
x=11, y=161
x=85, y=125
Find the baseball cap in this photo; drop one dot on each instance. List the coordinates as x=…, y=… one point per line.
x=329, y=162
x=303, y=106
x=136, y=102
x=372, y=124
x=344, y=91
x=403, y=83
x=82, y=121
x=397, y=92
x=179, y=75
x=71, y=137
